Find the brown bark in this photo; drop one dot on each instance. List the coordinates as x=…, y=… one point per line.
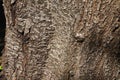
x=62, y=40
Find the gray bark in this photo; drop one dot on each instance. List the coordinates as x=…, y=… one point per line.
x=62, y=40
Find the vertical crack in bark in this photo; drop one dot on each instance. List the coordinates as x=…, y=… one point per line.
x=13, y=12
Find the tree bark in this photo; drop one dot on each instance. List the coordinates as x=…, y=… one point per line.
x=62, y=40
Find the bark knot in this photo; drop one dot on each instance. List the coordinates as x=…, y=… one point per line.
x=80, y=37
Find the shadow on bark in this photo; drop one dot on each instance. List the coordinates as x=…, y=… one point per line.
x=2, y=36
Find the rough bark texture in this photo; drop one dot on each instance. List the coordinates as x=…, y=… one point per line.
x=62, y=40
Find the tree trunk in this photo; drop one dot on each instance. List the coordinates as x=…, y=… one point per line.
x=62, y=40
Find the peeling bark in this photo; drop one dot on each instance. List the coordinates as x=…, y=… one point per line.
x=62, y=40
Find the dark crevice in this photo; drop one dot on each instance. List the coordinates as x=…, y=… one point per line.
x=2, y=36
x=2, y=27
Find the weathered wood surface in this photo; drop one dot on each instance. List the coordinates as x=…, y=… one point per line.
x=62, y=40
